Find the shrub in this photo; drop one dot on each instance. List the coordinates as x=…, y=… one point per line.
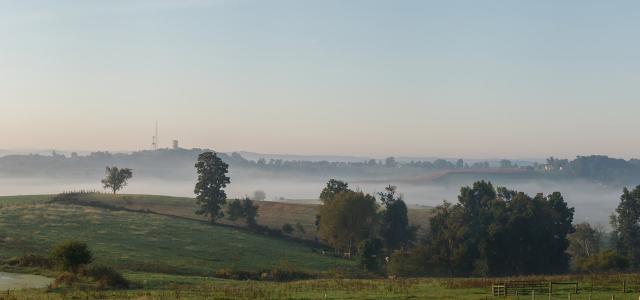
x=70, y=255
x=65, y=279
x=288, y=274
x=281, y=273
x=236, y=274
x=606, y=261
x=417, y=262
x=107, y=277
x=287, y=228
x=300, y=228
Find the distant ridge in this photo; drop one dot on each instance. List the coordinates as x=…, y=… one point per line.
x=339, y=158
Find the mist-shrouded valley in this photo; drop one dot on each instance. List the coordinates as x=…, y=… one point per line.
x=319, y=149
x=300, y=178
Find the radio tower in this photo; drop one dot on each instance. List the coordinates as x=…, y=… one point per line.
x=154, y=143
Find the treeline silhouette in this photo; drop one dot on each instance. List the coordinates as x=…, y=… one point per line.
x=177, y=163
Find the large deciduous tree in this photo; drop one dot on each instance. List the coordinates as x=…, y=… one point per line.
x=209, y=190
x=348, y=219
x=116, y=178
x=332, y=188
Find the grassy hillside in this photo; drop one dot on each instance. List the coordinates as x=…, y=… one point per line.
x=151, y=243
x=26, y=199
x=272, y=214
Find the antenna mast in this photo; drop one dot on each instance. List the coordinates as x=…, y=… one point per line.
x=155, y=138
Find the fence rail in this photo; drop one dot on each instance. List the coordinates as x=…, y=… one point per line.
x=527, y=287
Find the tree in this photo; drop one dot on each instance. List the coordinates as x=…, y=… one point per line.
x=390, y=162
x=209, y=189
x=235, y=210
x=501, y=232
x=606, y=261
x=583, y=243
x=369, y=254
x=250, y=212
x=243, y=209
x=259, y=195
x=332, y=188
x=347, y=220
x=287, y=228
x=394, y=228
x=505, y=163
x=116, y=179
x=70, y=255
x=459, y=164
x=446, y=245
x=626, y=226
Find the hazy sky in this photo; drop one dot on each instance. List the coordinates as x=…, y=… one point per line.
x=444, y=78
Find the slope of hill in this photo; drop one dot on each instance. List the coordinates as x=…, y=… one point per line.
x=271, y=214
x=150, y=242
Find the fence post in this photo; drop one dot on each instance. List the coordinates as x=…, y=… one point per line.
x=569, y=296
x=624, y=286
x=533, y=294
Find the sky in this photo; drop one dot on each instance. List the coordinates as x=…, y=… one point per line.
x=472, y=79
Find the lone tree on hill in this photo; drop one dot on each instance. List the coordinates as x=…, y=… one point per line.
x=209, y=190
x=116, y=179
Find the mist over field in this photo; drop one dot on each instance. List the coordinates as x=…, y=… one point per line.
x=594, y=202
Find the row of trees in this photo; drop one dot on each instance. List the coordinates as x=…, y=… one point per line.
x=353, y=222
x=493, y=232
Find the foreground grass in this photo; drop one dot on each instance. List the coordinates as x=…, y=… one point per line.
x=189, y=287
x=152, y=243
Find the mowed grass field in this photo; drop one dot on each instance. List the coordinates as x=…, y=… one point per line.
x=152, y=243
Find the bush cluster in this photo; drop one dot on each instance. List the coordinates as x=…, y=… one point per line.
x=276, y=274
x=107, y=277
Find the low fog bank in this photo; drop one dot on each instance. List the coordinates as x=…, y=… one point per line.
x=594, y=202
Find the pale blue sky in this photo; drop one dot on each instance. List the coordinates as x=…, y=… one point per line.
x=432, y=78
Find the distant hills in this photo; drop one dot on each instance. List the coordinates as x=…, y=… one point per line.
x=178, y=163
